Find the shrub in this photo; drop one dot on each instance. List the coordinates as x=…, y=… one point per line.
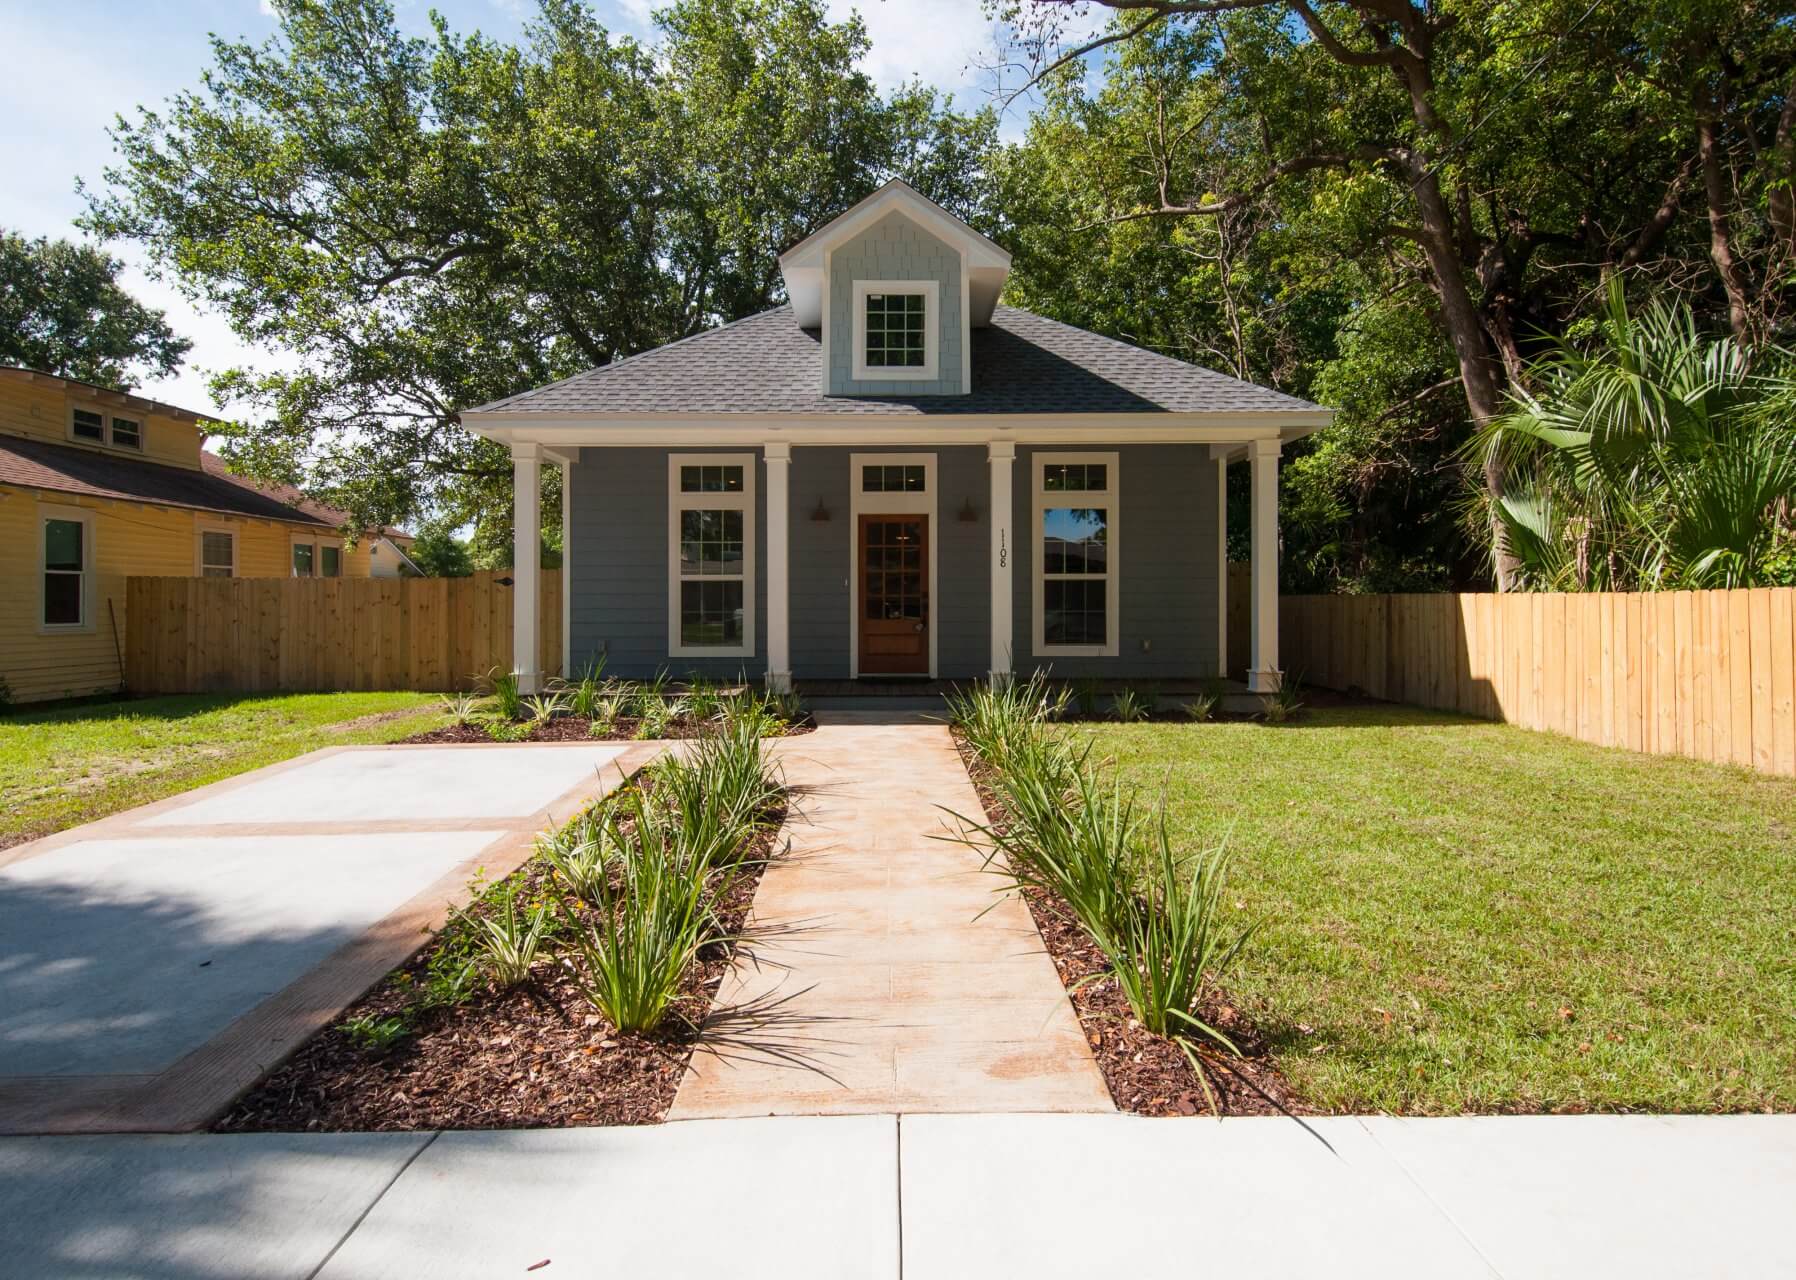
x=540, y=708
x=991, y=718
x=585, y=694
x=1285, y=701
x=508, y=945
x=606, y=714
x=503, y=686
x=377, y=1035
x=1087, y=690
x=1131, y=705
x=632, y=954
x=1156, y=917
x=580, y=854
x=1202, y=706
x=461, y=708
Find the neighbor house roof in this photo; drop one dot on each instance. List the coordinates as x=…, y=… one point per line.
x=291, y=497
x=39, y=464
x=110, y=394
x=1022, y=364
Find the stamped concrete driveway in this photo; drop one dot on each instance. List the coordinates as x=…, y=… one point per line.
x=154, y=963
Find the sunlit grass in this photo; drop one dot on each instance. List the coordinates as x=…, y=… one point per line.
x=1466, y=916
x=77, y=763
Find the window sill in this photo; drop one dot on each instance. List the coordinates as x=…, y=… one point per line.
x=66, y=629
x=709, y=651
x=1075, y=651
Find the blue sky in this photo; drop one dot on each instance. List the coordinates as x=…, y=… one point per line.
x=74, y=64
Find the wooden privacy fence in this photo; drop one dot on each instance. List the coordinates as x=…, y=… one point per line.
x=250, y=635
x=1708, y=674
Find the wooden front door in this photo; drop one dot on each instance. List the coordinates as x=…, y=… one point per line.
x=894, y=603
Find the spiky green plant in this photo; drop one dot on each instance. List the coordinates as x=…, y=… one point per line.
x=631, y=953
x=461, y=708
x=1285, y=701
x=508, y=943
x=580, y=854
x=1202, y=706
x=585, y=694
x=1130, y=705
x=540, y=708
x=502, y=685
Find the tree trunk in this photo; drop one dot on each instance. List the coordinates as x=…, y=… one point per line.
x=1783, y=173
x=1721, y=242
x=1466, y=331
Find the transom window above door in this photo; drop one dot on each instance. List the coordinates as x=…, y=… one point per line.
x=1075, y=588
x=711, y=518
x=905, y=478
x=895, y=324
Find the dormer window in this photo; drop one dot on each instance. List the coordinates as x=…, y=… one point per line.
x=895, y=328
x=91, y=425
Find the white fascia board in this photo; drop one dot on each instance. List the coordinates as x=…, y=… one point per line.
x=739, y=430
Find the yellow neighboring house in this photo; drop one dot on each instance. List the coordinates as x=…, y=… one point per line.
x=97, y=486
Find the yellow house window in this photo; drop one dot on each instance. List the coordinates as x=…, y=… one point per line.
x=66, y=553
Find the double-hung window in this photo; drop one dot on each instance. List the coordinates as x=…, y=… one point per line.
x=711, y=536
x=317, y=558
x=217, y=553
x=66, y=547
x=1076, y=584
x=92, y=425
x=896, y=327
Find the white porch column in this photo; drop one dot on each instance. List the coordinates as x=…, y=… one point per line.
x=779, y=593
x=1263, y=672
x=526, y=563
x=1001, y=456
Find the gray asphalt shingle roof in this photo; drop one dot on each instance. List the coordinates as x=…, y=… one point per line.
x=1023, y=363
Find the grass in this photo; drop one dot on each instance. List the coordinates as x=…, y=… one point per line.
x=1461, y=916
x=72, y=764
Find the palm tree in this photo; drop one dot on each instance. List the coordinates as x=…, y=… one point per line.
x=1658, y=459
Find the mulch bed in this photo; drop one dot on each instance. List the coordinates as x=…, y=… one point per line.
x=534, y=1057
x=572, y=728
x=1147, y=1074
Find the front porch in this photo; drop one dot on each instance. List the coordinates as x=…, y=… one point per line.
x=897, y=570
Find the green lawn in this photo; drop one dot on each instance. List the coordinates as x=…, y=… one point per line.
x=1461, y=916
x=76, y=763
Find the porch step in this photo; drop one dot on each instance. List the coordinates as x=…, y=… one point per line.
x=877, y=702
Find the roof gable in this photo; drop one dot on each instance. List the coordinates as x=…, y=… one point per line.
x=803, y=265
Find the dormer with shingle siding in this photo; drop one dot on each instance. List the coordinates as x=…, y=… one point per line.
x=895, y=286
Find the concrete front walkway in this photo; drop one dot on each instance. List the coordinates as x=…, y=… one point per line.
x=924, y=1197
x=156, y=962
x=880, y=986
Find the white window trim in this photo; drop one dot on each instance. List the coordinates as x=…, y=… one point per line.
x=1110, y=498
x=47, y=511
x=743, y=501
x=106, y=440
x=932, y=330
x=889, y=504
x=200, y=529
x=317, y=544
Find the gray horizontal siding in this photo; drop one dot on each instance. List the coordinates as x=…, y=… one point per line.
x=618, y=554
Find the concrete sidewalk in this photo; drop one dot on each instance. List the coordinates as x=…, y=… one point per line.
x=930, y=1197
x=894, y=977
x=154, y=963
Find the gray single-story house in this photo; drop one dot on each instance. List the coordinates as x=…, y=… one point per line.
x=892, y=475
